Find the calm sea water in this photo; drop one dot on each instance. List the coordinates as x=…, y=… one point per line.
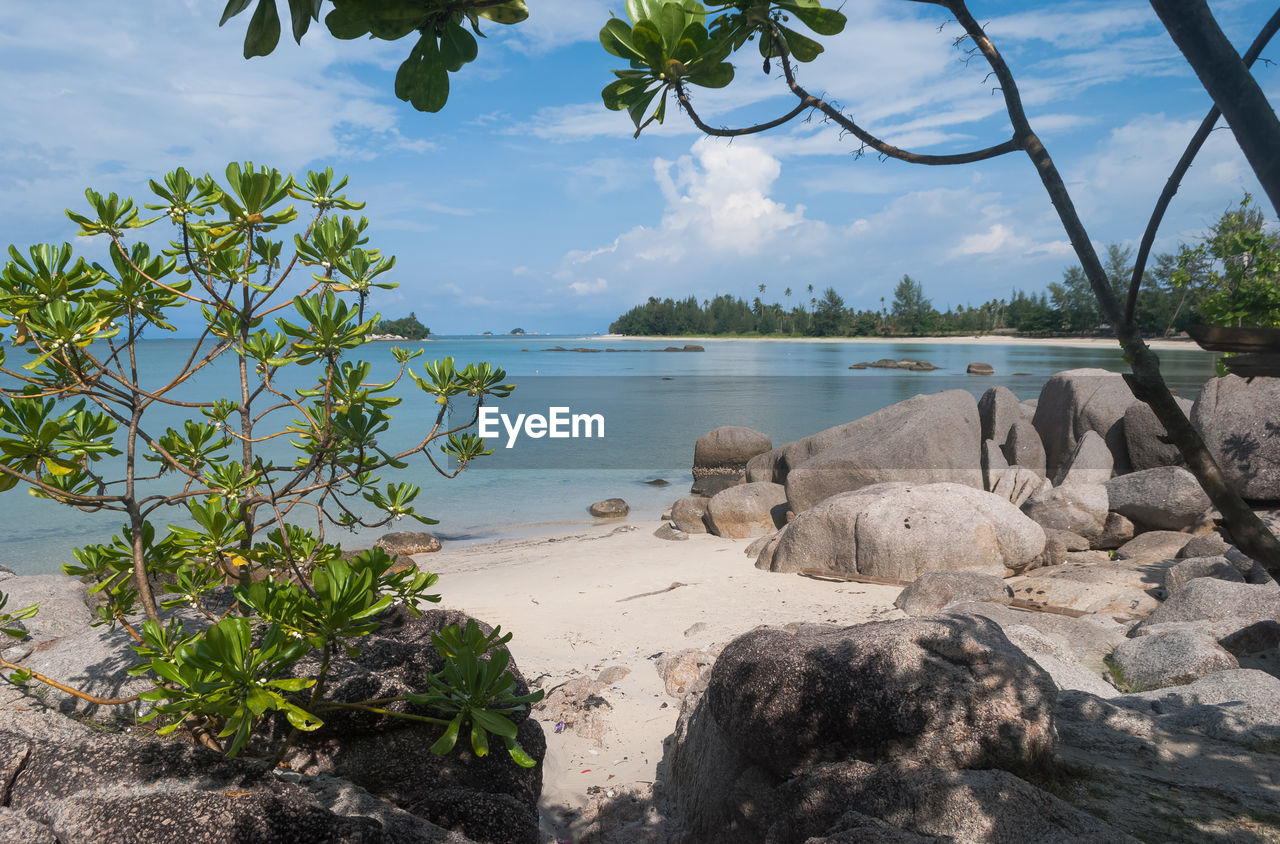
x=655, y=405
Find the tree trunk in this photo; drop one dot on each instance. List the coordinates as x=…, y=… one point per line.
x=1234, y=90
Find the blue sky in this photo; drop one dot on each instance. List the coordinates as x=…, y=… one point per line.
x=525, y=203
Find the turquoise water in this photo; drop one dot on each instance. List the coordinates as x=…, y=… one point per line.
x=655, y=405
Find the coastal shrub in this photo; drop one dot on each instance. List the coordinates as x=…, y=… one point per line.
x=234, y=493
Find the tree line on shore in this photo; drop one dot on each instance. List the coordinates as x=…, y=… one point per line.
x=1231, y=277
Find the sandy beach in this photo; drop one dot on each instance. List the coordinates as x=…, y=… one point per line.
x=974, y=340
x=597, y=602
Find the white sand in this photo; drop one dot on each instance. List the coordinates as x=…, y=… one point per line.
x=975, y=340
x=562, y=598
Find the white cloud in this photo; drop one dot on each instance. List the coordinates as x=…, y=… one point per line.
x=998, y=238
x=583, y=288
x=181, y=95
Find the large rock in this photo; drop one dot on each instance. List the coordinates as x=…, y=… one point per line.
x=1238, y=420
x=1022, y=447
x=1016, y=484
x=1090, y=463
x=129, y=789
x=946, y=806
x=1193, y=567
x=408, y=543
x=688, y=514
x=1170, y=659
x=925, y=439
x=998, y=411
x=900, y=531
x=1147, y=439
x=1080, y=400
x=609, y=508
x=1116, y=588
x=1153, y=546
x=934, y=590
x=948, y=689
x=747, y=510
x=1079, y=509
x=1210, y=599
x=994, y=464
x=488, y=798
x=1237, y=706
x=720, y=457
x=64, y=605
x=1164, y=498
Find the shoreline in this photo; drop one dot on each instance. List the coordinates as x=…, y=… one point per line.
x=951, y=340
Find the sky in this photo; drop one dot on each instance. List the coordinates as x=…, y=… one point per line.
x=524, y=203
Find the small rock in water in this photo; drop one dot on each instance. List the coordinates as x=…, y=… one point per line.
x=610, y=508
x=658, y=482
x=977, y=368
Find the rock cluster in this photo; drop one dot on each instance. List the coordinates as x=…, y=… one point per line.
x=1148, y=631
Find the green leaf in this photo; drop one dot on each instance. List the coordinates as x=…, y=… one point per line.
x=671, y=22
x=494, y=723
x=446, y=742
x=646, y=38
x=821, y=21
x=302, y=12
x=233, y=8
x=422, y=79
x=615, y=37
x=457, y=47
x=524, y=760
x=507, y=13
x=802, y=48
x=715, y=76
x=264, y=30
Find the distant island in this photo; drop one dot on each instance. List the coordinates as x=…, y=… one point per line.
x=1168, y=301
x=517, y=331
x=406, y=328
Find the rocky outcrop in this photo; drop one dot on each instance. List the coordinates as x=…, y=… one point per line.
x=1090, y=463
x=998, y=410
x=1079, y=509
x=788, y=717
x=1116, y=588
x=1237, y=418
x=688, y=514
x=1080, y=400
x=1210, y=599
x=1164, y=498
x=900, y=531
x=1147, y=439
x=129, y=789
x=935, y=590
x=487, y=798
x=906, y=802
x=1169, y=659
x=979, y=368
x=1022, y=447
x=925, y=439
x=747, y=510
x=910, y=364
x=720, y=457
x=1153, y=546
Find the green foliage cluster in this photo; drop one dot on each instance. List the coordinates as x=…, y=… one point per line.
x=407, y=327
x=1234, y=273
x=446, y=33
x=78, y=427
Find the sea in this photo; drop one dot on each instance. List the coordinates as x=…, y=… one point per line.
x=636, y=410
